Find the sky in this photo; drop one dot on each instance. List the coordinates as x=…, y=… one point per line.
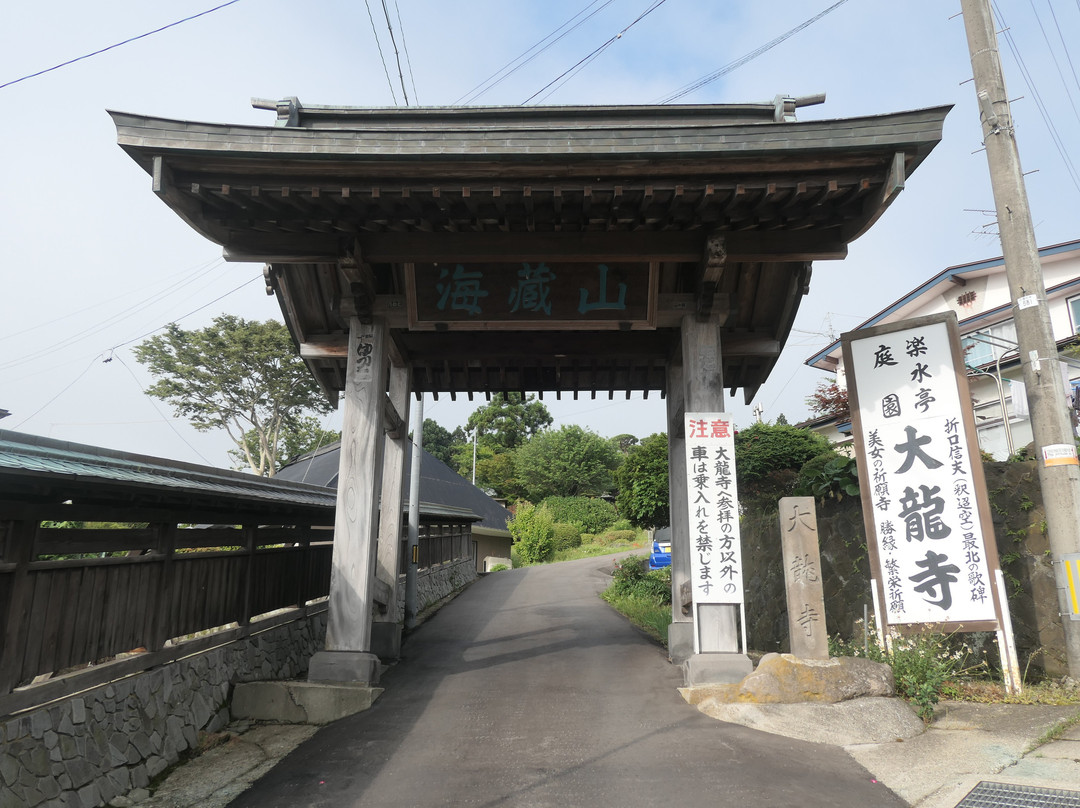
x=93, y=263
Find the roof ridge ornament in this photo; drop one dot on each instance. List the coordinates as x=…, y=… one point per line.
x=287, y=109
x=785, y=105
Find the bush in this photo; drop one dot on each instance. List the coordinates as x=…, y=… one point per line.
x=592, y=514
x=622, y=524
x=533, y=530
x=615, y=537
x=631, y=579
x=829, y=474
x=566, y=535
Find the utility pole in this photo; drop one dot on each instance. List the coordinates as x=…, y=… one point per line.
x=1055, y=438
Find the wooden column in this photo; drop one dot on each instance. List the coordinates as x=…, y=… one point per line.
x=348, y=633
x=703, y=391
x=386, y=633
x=681, y=630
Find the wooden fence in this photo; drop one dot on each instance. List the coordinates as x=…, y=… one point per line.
x=438, y=543
x=74, y=597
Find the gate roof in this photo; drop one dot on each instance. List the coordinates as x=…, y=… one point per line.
x=726, y=205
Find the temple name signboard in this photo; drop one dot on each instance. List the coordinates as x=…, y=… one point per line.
x=924, y=496
x=532, y=295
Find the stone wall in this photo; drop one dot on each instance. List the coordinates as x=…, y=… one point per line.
x=437, y=582
x=84, y=751
x=1019, y=520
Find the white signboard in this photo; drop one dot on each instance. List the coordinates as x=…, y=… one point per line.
x=715, y=550
x=930, y=544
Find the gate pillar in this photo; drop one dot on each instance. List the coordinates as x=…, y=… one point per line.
x=348, y=656
x=696, y=384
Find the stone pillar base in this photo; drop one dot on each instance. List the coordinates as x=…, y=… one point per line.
x=680, y=642
x=344, y=666
x=386, y=640
x=715, y=669
x=300, y=702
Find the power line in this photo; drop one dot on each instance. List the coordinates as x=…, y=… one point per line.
x=405, y=47
x=378, y=44
x=118, y=44
x=516, y=64
x=397, y=55
x=66, y=388
x=568, y=74
x=167, y=420
x=723, y=71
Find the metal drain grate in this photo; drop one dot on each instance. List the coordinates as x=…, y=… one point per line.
x=1004, y=795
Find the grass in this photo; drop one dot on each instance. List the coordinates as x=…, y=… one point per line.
x=991, y=691
x=600, y=545
x=644, y=598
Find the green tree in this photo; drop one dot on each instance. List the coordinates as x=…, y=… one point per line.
x=295, y=441
x=533, y=531
x=236, y=375
x=643, y=483
x=566, y=462
x=441, y=443
x=768, y=458
x=508, y=421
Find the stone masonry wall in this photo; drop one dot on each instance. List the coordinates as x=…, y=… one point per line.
x=84, y=751
x=435, y=583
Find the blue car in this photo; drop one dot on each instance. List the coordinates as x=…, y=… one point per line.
x=661, y=554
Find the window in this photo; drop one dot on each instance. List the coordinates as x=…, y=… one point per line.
x=1074, y=314
x=987, y=344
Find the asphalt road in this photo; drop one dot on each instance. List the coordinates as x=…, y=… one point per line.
x=528, y=690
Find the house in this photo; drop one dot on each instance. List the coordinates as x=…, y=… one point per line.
x=446, y=498
x=979, y=295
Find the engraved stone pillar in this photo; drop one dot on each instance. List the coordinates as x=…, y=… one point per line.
x=802, y=578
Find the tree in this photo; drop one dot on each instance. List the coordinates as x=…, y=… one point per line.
x=643, y=483
x=441, y=443
x=829, y=398
x=307, y=435
x=624, y=442
x=768, y=458
x=566, y=462
x=236, y=375
x=507, y=421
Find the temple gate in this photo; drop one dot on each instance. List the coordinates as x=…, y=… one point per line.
x=556, y=250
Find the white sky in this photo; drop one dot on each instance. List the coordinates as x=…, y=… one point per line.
x=92, y=262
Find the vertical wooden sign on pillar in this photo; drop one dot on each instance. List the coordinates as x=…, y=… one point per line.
x=348, y=632
x=802, y=578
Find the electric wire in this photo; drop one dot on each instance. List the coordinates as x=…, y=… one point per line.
x=378, y=44
x=405, y=47
x=397, y=54
x=164, y=417
x=185, y=276
x=559, y=81
x=520, y=61
x=67, y=387
x=118, y=44
x=1070, y=168
x=102, y=325
x=723, y=71
x=1053, y=55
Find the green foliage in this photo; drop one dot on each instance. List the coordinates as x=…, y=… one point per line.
x=565, y=462
x=236, y=375
x=591, y=513
x=508, y=420
x=922, y=664
x=763, y=448
x=498, y=568
x=533, y=531
x=643, y=483
x=631, y=578
x=829, y=474
x=295, y=441
x=622, y=524
x=567, y=535
x=441, y=443
x=624, y=442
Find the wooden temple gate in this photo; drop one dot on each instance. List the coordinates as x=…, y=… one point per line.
x=558, y=250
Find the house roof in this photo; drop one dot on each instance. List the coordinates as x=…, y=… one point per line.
x=344, y=204
x=828, y=358
x=36, y=470
x=443, y=492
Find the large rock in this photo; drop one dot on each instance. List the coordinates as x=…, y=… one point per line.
x=786, y=679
